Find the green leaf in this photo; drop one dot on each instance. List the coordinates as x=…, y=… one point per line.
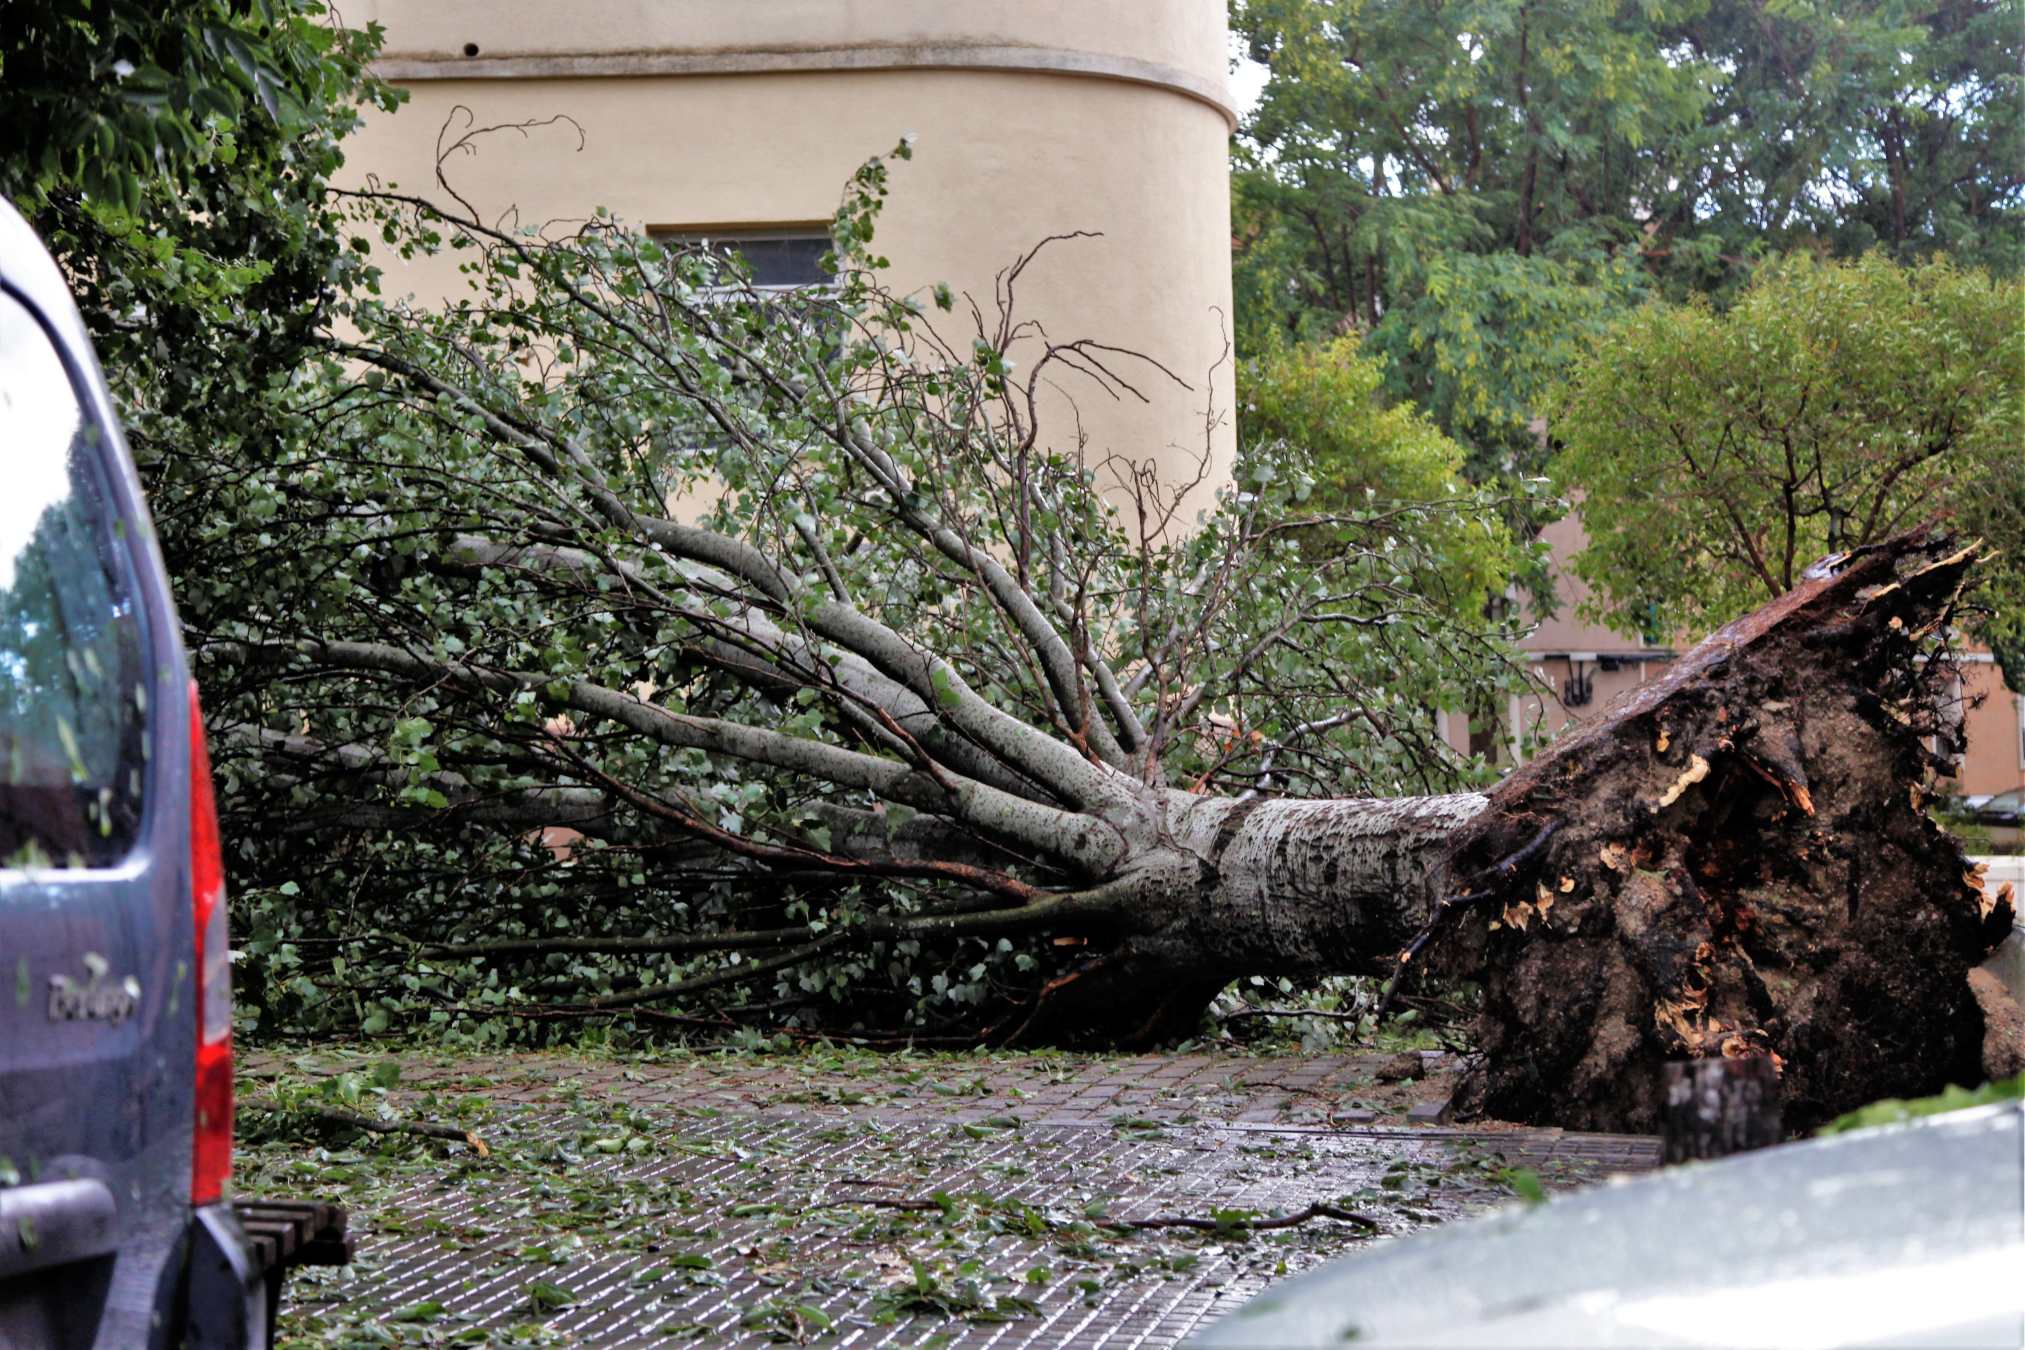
x=1524, y=1182
x=428, y=1310
x=946, y=692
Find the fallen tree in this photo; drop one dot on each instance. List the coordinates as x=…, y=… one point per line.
x=1739, y=860
x=907, y=717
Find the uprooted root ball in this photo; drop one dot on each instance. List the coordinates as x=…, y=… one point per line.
x=1741, y=861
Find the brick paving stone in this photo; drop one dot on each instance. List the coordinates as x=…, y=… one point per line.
x=485, y=1283
x=734, y=1133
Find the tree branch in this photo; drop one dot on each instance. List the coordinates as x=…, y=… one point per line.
x=1078, y=841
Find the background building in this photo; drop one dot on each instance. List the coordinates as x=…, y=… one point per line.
x=1579, y=669
x=739, y=119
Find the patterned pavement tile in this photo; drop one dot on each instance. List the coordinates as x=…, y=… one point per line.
x=896, y=1202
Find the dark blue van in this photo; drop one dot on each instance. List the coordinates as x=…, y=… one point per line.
x=115, y=978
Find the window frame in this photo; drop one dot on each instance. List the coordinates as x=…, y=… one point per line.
x=683, y=236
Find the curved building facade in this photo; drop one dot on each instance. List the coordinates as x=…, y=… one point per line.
x=745, y=118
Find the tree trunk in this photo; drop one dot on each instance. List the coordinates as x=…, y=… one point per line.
x=1735, y=860
x=1251, y=887
x=898, y=751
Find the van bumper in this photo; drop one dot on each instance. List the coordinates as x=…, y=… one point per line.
x=58, y=1240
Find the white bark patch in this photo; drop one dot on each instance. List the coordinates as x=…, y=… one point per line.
x=1302, y=884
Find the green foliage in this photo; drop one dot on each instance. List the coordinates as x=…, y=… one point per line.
x=117, y=100
x=542, y=1296
x=1525, y=1184
x=1458, y=184
x=1477, y=187
x=186, y=201
x=1717, y=454
x=1486, y=337
x=1894, y=1111
x=175, y=155
x=1848, y=127
x=1340, y=1012
x=1977, y=839
x=1315, y=422
x=1371, y=454
x=1367, y=454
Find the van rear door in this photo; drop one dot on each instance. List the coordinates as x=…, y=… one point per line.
x=96, y=1019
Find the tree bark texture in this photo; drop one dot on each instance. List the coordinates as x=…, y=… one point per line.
x=1250, y=887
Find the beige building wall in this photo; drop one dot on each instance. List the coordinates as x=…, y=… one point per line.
x=1995, y=718
x=1029, y=119
x=1581, y=668
x=1578, y=669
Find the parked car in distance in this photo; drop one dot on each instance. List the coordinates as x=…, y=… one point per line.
x=115, y=976
x=2001, y=815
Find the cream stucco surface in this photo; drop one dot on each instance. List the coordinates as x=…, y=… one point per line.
x=1008, y=150
x=1187, y=36
x=1564, y=647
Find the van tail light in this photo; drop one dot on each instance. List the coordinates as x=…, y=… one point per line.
x=211, y=1157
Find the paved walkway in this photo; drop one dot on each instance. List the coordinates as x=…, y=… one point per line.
x=844, y=1198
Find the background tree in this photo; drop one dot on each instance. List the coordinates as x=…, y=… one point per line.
x=1477, y=187
x=174, y=156
x=1847, y=128
x=1323, y=404
x=1834, y=404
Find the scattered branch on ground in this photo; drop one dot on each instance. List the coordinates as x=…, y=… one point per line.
x=331, y=1115
x=1220, y=1221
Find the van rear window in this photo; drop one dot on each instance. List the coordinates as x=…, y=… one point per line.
x=72, y=657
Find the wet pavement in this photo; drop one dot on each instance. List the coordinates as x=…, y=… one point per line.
x=857, y=1199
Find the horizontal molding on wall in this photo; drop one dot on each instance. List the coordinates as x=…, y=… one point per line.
x=420, y=67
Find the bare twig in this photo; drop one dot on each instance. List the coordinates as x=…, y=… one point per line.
x=1294, y=1220
x=1293, y=1012
x=330, y=1115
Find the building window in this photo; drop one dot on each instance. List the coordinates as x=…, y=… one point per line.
x=787, y=299
x=787, y=258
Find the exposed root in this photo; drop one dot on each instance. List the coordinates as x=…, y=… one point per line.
x=1744, y=865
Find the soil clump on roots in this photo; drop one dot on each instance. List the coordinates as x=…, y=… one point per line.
x=1736, y=860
